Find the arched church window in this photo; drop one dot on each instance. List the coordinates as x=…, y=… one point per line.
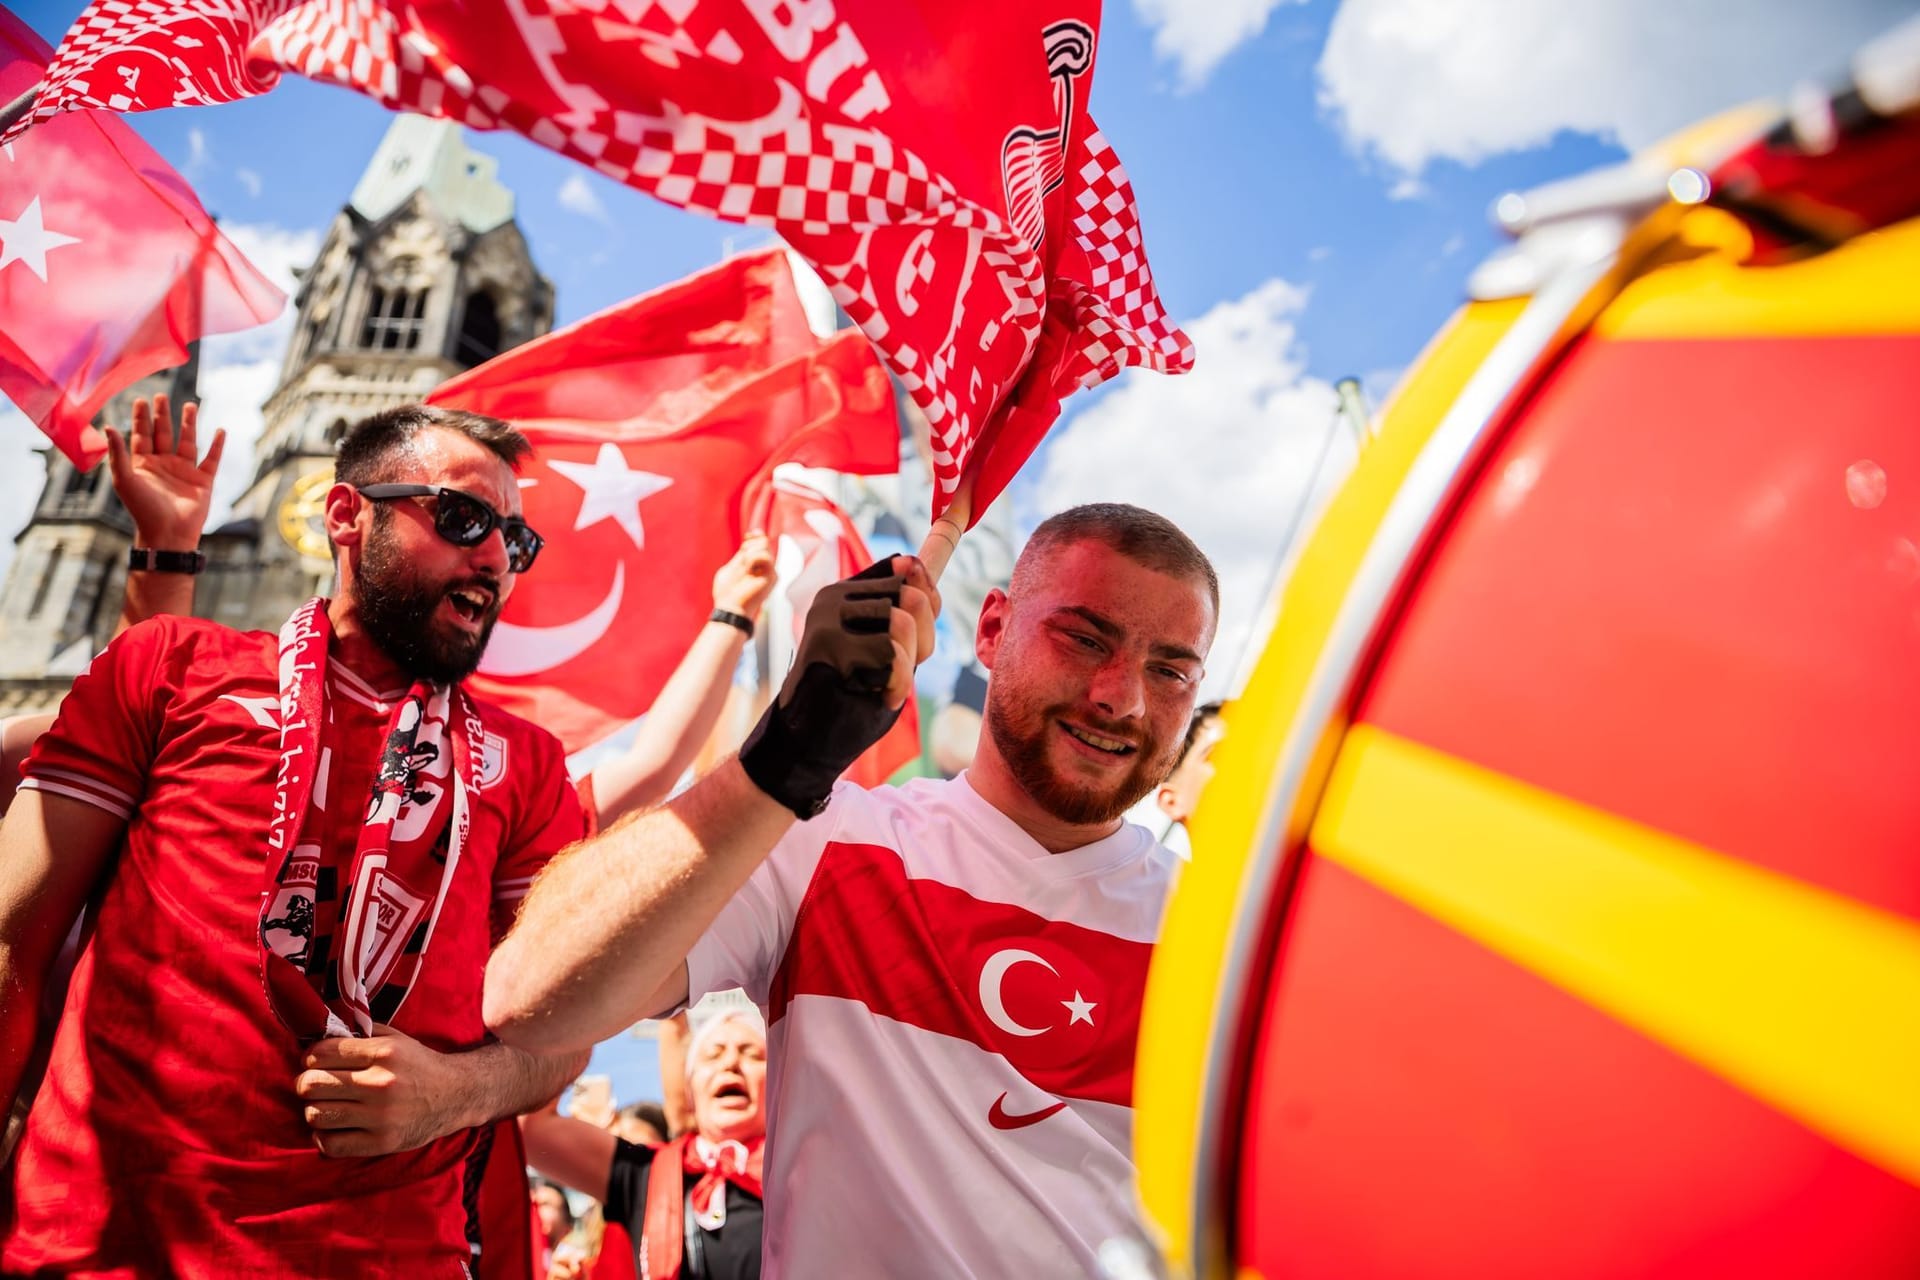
x=479, y=339
x=335, y=432
x=393, y=319
x=79, y=482
x=46, y=581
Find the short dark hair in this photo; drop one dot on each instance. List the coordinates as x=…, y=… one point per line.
x=648, y=1113
x=536, y=1182
x=1201, y=714
x=1138, y=534
x=370, y=446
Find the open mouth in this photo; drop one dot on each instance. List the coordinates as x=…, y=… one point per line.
x=1099, y=742
x=731, y=1090
x=470, y=604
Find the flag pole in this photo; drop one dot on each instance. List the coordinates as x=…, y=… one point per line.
x=943, y=539
x=17, y=108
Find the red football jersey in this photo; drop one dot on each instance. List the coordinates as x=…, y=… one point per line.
x=166, y=1137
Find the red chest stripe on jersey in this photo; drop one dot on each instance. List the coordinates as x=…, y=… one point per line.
x=1060, y=1002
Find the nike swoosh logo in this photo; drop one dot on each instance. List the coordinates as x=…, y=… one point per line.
x=999, y=1119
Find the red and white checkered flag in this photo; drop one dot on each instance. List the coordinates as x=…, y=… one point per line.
x=961, y=204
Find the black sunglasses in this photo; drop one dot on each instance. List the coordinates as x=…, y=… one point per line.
x=464, y=520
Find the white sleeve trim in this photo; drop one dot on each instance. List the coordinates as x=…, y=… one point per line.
x=512, y=890
x=37, y=783
x=85, y=780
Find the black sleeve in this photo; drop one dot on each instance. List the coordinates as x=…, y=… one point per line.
x=626, y=1201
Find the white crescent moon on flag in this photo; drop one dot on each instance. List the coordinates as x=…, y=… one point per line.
x=992, y=974
x=525, y=651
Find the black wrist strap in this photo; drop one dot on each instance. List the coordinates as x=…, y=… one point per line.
x=737, y=620
x=148, y=560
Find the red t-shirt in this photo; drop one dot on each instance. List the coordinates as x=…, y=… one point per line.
x=166, y=1137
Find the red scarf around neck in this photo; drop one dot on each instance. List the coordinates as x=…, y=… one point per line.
x=340, y=946
x=715, y=1164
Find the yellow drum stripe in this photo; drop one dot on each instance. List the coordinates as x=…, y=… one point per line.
x=1176, y=1036
x=1807, y=999
x=1701, y=291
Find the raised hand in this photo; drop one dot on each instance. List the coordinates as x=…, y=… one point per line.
x=162, y=481
x=853, y=672
x=744, y=582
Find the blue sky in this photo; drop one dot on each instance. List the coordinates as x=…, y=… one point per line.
x=1314, y=180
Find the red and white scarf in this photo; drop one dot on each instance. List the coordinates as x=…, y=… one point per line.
x=715, y=1164
x=337, y=951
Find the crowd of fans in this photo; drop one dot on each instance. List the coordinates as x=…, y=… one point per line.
x=688, y=1199
x=135, y=843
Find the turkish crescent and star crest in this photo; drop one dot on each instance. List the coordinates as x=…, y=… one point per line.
x=993, y=1003
x=611, y=491
x=993, y=974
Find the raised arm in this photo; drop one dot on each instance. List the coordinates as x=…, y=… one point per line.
x=168, y=489
x=676, y=1094
x=688, y=707
x=570, y=1151
x=17, y=736
x=52, y=849
x=603, y=936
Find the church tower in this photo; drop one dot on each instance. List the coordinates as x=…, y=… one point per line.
x=424, y=273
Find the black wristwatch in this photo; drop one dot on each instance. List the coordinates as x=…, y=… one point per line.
x=146, y=558
x=739, y=621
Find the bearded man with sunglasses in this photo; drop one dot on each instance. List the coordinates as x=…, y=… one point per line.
x=301, y=848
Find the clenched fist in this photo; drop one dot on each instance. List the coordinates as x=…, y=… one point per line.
x=852, y=673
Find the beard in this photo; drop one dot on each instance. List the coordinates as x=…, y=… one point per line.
x=1021, y=737
x=397, y=608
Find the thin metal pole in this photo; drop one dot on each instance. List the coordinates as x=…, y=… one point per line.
x=17, y=108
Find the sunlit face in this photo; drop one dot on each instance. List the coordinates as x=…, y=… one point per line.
x=431, y=605
x=728, y=1075
x=1179, y=795
x=1095, y=671
x=551, y=1205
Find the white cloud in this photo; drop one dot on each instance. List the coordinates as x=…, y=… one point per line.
x=576, y=196
x=1197, y=37
x=22, y=475
x=239, y=370
x=250, y=180
x=198, y=152
x=1413, y=81
x=277, y=252
x=1227, y=451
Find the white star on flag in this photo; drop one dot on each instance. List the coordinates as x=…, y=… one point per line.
x=26, y=239
x=613, y=491
x=1081, y=1008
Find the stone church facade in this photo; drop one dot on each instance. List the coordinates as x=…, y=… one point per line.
x=423, y=273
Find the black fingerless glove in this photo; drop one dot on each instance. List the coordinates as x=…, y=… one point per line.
x=830, y=709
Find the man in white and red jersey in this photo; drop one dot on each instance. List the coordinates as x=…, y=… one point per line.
x=271, y=1060
x=952, y=971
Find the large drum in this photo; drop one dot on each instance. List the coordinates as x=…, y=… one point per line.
x=1555, y=911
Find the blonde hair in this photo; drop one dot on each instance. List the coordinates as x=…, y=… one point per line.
x=709, y=1027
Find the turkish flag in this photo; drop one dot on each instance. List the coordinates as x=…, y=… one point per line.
x=109, y=267
x=652, y=457
x=934, y=161
x=815, y=543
